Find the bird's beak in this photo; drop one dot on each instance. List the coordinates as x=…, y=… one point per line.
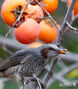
x=63, y=51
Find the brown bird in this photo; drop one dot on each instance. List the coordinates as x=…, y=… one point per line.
x=28, y=61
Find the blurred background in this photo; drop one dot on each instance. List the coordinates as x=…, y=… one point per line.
x=70, y=43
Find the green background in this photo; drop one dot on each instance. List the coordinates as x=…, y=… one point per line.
x=70, y=43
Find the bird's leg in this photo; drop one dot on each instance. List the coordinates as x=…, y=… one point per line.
x=38, y=81
x=23, y=81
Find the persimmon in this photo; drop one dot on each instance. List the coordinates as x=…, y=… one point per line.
x=27, y=32
x=35, y=12
x=48, y=33
x=50, y=5
x=75, y=6
x=35, y=44
x=9, y=10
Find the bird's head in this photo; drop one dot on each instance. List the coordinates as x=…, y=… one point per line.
x=48, y=50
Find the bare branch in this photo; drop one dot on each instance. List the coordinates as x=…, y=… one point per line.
x=50, y=73
x=70, y=57
x=11, y=43
x=61, y=63
x=61, y=79
x=73, y=28
x=67, y=18
x=67, y=69
x=73, y=18
x=18, y=19
x=58, y=41
x=61, y=74
x=48, y=15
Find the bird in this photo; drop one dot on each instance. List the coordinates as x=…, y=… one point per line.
x=28, y=61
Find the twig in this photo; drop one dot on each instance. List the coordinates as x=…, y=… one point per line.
x=61, y=63
x=67, y=18
x=7, y=50
x=73, y=28
x=61, y=74
x=18, y=19
x=54, y=60
x=61, y=79
x=58, y=41
x=23, y=86
x=73, y=18
x=10, y=43
x=38, y=81
x=48, y=15
x=67, y=70
x=50, y=73
x=70, y=57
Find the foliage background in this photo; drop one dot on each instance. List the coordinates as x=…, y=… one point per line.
x=70, y=43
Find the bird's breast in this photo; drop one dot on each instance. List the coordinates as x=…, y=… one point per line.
x=32, y=67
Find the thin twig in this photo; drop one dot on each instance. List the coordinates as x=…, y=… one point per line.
x=61, y=79
x=61, y=63
x=67, y=18
x=10, y=43
x=18, y=19
x=48, y=14
x=58, y=41
x=54, y=60
x=71, y=57
x=73, y=28
x=73, y=18
x=62, y=73
x=38, y=81
x=50, y=73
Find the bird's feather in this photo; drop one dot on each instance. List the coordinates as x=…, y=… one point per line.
x=14, y=60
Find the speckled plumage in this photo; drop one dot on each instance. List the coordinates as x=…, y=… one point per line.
x=28, y=61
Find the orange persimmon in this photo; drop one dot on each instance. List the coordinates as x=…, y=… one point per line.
x=48, y=33
x=35, y=12
x=50, y=5
x=27, y=32
x=9, y=10
x=75, y=7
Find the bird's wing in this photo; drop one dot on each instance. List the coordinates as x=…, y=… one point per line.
x=14, y=61
x=4, y=64
x=25, y=59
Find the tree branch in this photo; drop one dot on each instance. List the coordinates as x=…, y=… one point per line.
x=67, y=18
x=61, y=74
x=59, y=40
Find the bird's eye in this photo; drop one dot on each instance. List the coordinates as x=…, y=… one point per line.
x=50, y=48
